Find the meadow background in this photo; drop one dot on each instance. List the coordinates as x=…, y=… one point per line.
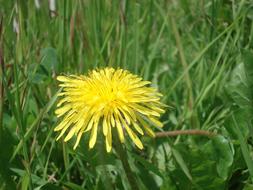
x=197, y=53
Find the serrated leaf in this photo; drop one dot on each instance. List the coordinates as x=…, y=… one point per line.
x=203, y=159
x=224, y=155
x=237, y=86
x=179, y=159
x=149, y=166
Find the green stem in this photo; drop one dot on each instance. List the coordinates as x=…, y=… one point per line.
x=65, y=157
x=123, y=157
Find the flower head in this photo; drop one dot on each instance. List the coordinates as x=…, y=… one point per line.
x=107, y=99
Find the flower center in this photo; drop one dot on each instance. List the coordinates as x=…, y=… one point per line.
x=112, y=97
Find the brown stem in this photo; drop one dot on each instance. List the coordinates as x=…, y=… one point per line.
x=1, y=79
x=184, y=132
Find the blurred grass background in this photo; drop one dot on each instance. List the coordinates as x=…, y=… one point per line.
x=197, y=53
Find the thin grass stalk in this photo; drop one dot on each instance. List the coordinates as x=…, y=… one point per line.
x=187, y=75
x=19, y=60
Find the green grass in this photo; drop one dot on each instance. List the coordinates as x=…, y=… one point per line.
x=199, y=54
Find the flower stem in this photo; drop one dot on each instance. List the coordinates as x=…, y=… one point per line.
x=185, y=132
x=1, y=81
x=123, y=157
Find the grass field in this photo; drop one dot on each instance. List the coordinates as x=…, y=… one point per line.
x=198, y=54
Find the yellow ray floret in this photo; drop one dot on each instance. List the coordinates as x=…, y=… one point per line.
x=107, y=99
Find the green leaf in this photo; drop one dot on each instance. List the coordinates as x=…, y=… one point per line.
x=146, y=172
x=224, y=155
x=35, y=179
x=178, y=157
x=73, y=186
x=240, y=86
x=248, y=187
x=240, y=89
x=237, y=87
x=149, y=166
x=248, y=63
x=245, y=150
x=49, y=59
x=209, y=162
x=6, y=147
x=40, y=116
x=25, y=182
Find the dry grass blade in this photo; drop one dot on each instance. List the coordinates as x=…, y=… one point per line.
x=185, y=132
x=1, y=79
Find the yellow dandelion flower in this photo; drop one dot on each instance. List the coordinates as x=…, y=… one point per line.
x=108, y=99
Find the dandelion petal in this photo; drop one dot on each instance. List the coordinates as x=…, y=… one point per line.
x=111, y=99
